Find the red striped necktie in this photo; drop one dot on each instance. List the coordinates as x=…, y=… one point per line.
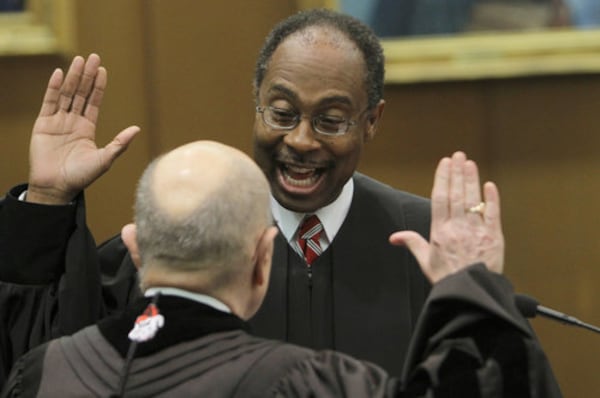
x=308, y=238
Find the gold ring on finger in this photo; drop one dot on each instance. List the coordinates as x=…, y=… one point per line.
x=480, y=208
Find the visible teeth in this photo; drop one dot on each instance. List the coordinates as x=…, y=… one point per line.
x=304, y=182
x=296, y=169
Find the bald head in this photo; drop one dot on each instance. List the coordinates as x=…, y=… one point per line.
x=200, y=209
x=192, y=173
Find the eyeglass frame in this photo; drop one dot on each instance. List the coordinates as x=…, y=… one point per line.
x=313, y=121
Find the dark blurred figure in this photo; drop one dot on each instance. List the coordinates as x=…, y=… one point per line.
x=397, y=18
x=12, y=5
x=390, y=18
x=585, y=14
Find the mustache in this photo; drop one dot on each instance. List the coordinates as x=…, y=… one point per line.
x=303, y=160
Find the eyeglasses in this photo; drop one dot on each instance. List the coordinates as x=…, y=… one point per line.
x=284, y=119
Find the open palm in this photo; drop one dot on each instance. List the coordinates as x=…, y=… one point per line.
x=64, y=157
x=459, y=236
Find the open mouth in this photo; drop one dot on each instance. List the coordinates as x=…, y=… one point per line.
x=300, y=179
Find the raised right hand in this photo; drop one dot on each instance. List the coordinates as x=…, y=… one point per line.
x=63, y=155
x=459, y=237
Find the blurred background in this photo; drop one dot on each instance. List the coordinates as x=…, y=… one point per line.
x=182, y=70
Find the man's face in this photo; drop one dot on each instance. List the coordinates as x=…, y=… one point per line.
x=314, y=72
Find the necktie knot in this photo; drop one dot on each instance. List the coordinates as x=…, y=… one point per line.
x=308, y=238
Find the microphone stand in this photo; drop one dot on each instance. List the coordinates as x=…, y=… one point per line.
x=530, y=307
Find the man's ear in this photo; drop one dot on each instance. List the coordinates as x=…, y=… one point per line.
x=373, y=120
x=129, y=237
x=263, y=257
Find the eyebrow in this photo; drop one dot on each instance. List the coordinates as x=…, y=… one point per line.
x=335, y=99
x=282, y=89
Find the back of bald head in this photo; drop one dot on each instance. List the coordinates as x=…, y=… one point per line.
x=200, y=209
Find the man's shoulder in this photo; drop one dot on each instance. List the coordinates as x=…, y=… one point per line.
x=26, y=373
x=370, y=187
x=389, y=206
x=333, y=373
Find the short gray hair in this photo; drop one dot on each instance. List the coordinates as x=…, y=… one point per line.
x=218, y=232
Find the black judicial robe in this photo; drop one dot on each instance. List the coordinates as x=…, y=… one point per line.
x=470, y=341
x=364, y=297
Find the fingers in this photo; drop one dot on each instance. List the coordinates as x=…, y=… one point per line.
x=458, y=237
x=119, y=144
x=439, y=193
x=457, y=185
x=70, y=83
x=50, y=101
x=95, y=99
x=455, y=188
x=491, y=213
x=417, y=245
x=472, y=190
x=85, y=83
x=81, y=86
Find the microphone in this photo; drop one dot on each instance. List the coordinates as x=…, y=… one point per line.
x=529, y=307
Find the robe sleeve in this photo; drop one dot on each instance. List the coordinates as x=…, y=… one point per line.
x=33, y=240
x=332, y=374
x=470, y=341
x=51, y=282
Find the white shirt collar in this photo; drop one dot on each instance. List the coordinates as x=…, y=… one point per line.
x=332, y=216
x=201, y=298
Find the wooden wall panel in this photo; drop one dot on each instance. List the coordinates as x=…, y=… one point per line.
x=546, y=159
x=202, y=61
x=539, y=140
x=421, y=124
x=184, y=73
x=114, y=29
x=22, y=84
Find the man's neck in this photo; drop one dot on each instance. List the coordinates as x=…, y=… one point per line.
x=201, y=298
x=331, y=216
